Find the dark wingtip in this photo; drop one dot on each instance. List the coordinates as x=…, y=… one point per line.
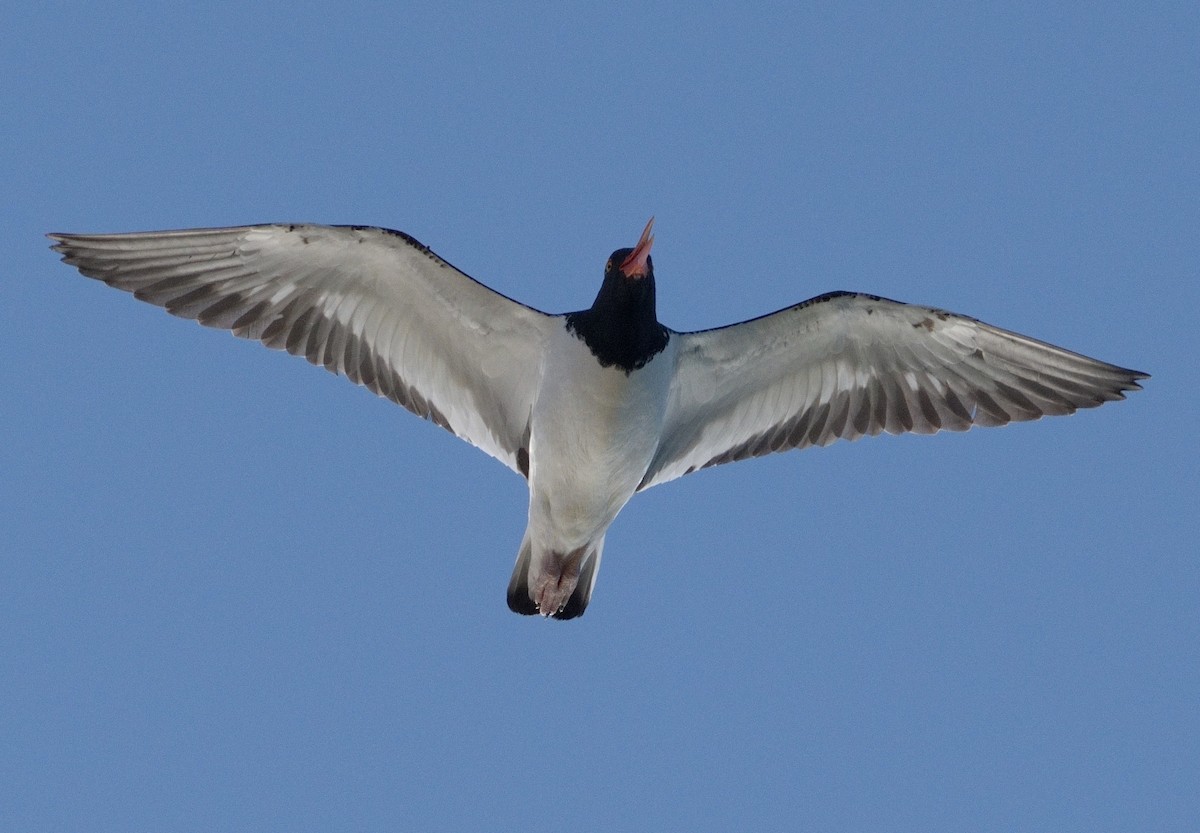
x=1130, y=384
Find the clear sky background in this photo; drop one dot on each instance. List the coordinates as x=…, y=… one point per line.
x=238, y=593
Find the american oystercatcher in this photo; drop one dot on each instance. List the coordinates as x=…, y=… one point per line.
x=595, y=405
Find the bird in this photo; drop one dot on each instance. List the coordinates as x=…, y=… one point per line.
x=593, y=406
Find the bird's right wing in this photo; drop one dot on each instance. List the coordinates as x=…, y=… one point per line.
x=369, y=303
x=844, y=365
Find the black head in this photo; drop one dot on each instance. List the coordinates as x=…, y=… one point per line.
x=621, y=327
x=628, y=286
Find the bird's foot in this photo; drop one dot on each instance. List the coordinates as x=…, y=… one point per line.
x=553, y=587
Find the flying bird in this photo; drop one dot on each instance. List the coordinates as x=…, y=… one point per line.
x=592, y=406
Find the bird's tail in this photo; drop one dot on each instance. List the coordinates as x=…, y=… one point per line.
x=520, y=600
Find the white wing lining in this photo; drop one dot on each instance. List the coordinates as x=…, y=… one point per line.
x=844, y=365
x=371, y=304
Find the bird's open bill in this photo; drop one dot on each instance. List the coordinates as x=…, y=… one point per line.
x=634, y=266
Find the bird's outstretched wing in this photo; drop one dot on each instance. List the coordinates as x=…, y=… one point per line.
x=844, y=364
x=369, y=303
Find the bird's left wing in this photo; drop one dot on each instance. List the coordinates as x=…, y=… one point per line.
x=368, y=303
x=844, y=364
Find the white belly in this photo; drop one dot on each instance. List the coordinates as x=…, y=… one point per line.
x=594, y=432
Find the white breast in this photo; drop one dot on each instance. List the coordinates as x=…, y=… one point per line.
x=594, y=432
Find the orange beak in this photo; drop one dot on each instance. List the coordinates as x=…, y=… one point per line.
x=635, y=266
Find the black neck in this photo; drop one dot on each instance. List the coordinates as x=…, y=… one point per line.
x=621, y=328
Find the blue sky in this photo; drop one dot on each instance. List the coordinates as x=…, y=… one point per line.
x=238, y=593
